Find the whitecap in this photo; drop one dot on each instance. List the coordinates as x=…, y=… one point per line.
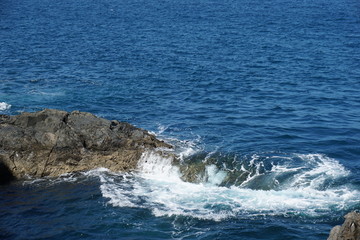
x=320, y=169
x=4, y=106
x=158, y=187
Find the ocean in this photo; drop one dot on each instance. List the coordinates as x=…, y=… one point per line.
x=260, y=100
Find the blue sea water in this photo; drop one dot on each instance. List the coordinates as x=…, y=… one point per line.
x=265, y=94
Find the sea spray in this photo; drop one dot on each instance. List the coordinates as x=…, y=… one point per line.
x=158, y=185
x=155, y=165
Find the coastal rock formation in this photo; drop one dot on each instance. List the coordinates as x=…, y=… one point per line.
x=53, y=142
x=350, y=230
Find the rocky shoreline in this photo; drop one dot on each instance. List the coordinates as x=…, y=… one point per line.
x=53, y=142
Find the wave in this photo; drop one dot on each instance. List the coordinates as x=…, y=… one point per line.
x=4, y=106
x=215, y=186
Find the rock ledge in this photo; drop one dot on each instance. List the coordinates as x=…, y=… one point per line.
x=53, y=142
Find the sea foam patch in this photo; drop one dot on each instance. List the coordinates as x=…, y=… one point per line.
x=4, y=106
x=158, y=186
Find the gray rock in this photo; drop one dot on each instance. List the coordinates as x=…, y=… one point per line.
x=350, y=230
x=53, y=142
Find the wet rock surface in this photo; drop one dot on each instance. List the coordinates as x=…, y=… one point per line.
x=53, y=142
x=349, y=230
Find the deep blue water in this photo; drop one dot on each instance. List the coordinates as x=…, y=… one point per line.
x=271, y=87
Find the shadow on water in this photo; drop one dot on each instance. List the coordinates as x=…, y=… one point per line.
x=5, y=174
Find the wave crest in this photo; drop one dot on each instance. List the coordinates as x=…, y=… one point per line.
x=288, y=184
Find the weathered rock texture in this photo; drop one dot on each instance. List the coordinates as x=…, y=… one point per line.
x=53, y=142
x=350, y=230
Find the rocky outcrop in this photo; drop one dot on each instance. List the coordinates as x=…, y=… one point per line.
x=53, y=142
x=350, y=230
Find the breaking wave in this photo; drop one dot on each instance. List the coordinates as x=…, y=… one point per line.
x=214, y=186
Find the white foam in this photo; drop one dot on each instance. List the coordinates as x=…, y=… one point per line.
x=183, y=148
x=66, y=177
x=158, y=187
x=161, y=129
x=155, y=166
x=255, y=165
x=96, y=172
x=214, y=175
x=320, y=169
x=118, y=196
x=4, y=106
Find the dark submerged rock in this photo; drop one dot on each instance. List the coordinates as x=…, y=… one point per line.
x=53, y=142
x=350, y=230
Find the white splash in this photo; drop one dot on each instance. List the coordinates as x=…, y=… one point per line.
x=158, y=187
x=254, y=165
x=215, y=176
x=4, y=106
x=154, y=166
x=321, y=168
